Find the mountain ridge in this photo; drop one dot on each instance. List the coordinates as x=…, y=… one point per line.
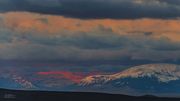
x=153, y=79
x=163, y=72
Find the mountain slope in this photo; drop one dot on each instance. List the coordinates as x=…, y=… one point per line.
x=145, y=79
x=13, y=80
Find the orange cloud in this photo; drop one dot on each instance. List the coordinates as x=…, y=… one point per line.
x=53, y=25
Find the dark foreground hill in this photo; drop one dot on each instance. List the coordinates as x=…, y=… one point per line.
x=15, y=95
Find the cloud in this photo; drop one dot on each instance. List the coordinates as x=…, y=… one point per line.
x=88, y=41
x=58, y=26
x=172, y=2
x=90, y=9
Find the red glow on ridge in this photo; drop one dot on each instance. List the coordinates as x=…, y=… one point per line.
x=73, y=76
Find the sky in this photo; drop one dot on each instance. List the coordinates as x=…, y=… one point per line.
x=90, y=32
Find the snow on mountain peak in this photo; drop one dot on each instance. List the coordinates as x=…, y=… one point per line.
x=163, y=72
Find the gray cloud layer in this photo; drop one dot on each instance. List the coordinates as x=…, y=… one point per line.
x=126, y=9
x=92, y=48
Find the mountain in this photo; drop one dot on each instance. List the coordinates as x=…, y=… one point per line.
x=17, y=95
x=150, y=79
x=13, y=80
x=156, y=79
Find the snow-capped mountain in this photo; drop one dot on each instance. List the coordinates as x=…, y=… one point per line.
x=13, y=80
x=143, y=79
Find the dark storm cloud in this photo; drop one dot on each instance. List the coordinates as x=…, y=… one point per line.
x=129, y=9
